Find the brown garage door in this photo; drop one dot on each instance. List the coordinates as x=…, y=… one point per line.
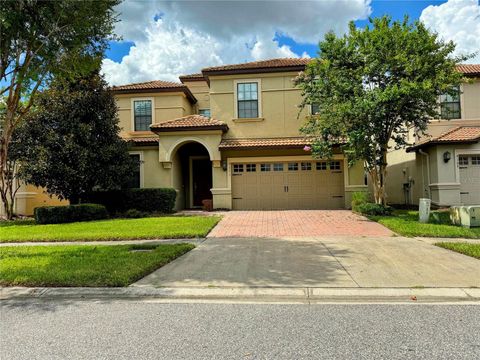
x=288, y=185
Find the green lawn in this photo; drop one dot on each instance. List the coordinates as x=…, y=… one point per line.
x=405, y=222
x=472, y=250
x=83, y=265
x=167, y=227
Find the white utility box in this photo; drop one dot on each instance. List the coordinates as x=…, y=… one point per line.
x=424, y=210
x=468, y=216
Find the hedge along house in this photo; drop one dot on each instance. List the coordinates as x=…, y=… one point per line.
x=231, y=134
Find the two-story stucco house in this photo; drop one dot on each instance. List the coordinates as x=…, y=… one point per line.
x=231, y=134
x=444, y=165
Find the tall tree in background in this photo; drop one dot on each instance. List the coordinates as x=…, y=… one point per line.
x=70, y=144
x=40, y=40
x=372, y=85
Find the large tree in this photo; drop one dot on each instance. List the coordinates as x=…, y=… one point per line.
x=40, y=40
x=372, y=86
x=70, y=144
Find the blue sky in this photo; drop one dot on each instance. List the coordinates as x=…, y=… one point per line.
x=164, y=39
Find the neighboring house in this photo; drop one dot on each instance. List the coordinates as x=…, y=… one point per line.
x=443, y=165
x=231, y=134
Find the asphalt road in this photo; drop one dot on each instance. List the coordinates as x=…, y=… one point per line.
x=154, y=330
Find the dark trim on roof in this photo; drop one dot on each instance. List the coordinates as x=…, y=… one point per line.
x=196, y=77
x=441, y=142
x=183, y=89
x=271, y=69
x=222, y=127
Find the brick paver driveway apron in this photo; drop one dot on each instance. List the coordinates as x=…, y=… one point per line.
x=293, y=223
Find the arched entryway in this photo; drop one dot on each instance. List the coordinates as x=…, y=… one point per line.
x=192, y=174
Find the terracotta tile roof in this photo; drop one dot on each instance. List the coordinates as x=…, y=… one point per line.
x=271, y=65
x=190, y=122
x=192, y=77
x=142, y=140
x=459, y=134
x=266, y=143
x=469, y=69
x=154, y=86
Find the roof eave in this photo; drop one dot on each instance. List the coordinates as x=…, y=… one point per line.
x=184, y=89
x=435, y=143
x=224, y=128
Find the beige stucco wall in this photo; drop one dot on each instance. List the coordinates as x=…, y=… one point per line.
x=201, y=91
x=29, y=197
x=167, y=106
x=279, y=101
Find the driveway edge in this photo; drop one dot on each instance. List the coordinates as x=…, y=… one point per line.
x=249, y=294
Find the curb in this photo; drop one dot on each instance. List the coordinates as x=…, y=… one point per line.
x=252, y=294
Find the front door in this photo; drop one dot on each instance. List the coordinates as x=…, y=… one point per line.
x=201, y=180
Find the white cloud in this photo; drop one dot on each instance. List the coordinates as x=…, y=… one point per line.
x=193, y=34
x=459, y=21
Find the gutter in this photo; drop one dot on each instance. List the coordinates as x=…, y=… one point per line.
x=420, y=151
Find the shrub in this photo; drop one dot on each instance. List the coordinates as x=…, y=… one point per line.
x=148, y=200
x=69, y=213
x=134, y=214
x=358, y=198
x=374, y=209
x=440, y=217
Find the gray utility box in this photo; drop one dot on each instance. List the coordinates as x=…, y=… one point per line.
x=468, y=216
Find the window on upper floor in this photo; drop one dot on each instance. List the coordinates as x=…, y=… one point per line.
x=204, y=112
x=142, y=115
x=450, y=105
x=247, y=99
x=315, y=108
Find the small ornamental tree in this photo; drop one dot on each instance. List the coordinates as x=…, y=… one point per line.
x=372, y=86
x=70, y=142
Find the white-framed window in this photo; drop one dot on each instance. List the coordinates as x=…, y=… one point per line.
x=248, y=99
x=476, y=160
x=265, y=167
x=204, y=112
x=335, y=165
x=462, y=160
x=237, y=168
x=321, y=165
x=450, y=105
x=251, y=167
x=292, y=166
x=306, y=166
x=143, y=114
x=278, y=167
x=136, y=180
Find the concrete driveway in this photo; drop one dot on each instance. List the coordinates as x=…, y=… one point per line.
x=318, y=262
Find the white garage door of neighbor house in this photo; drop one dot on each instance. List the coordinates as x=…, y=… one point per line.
x=288, y=185
x=469, y=170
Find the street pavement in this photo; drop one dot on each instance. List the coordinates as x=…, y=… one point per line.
x=154, y=329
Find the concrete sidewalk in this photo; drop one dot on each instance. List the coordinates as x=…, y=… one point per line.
x=250, y=294
x=194, y=241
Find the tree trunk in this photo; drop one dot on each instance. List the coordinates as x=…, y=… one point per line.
x=378, y=173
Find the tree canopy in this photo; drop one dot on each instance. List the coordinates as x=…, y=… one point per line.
x=372, y=86
x=40, y=40
x=70, y=144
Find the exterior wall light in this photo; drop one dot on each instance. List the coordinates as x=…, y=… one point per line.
x=224, y=165
x=447, y=156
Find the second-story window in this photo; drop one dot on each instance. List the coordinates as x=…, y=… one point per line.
x=450, y=105
x=247, y=100
x=204, y=112
x=142, y=114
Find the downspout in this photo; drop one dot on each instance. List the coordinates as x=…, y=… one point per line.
x=428, y=170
